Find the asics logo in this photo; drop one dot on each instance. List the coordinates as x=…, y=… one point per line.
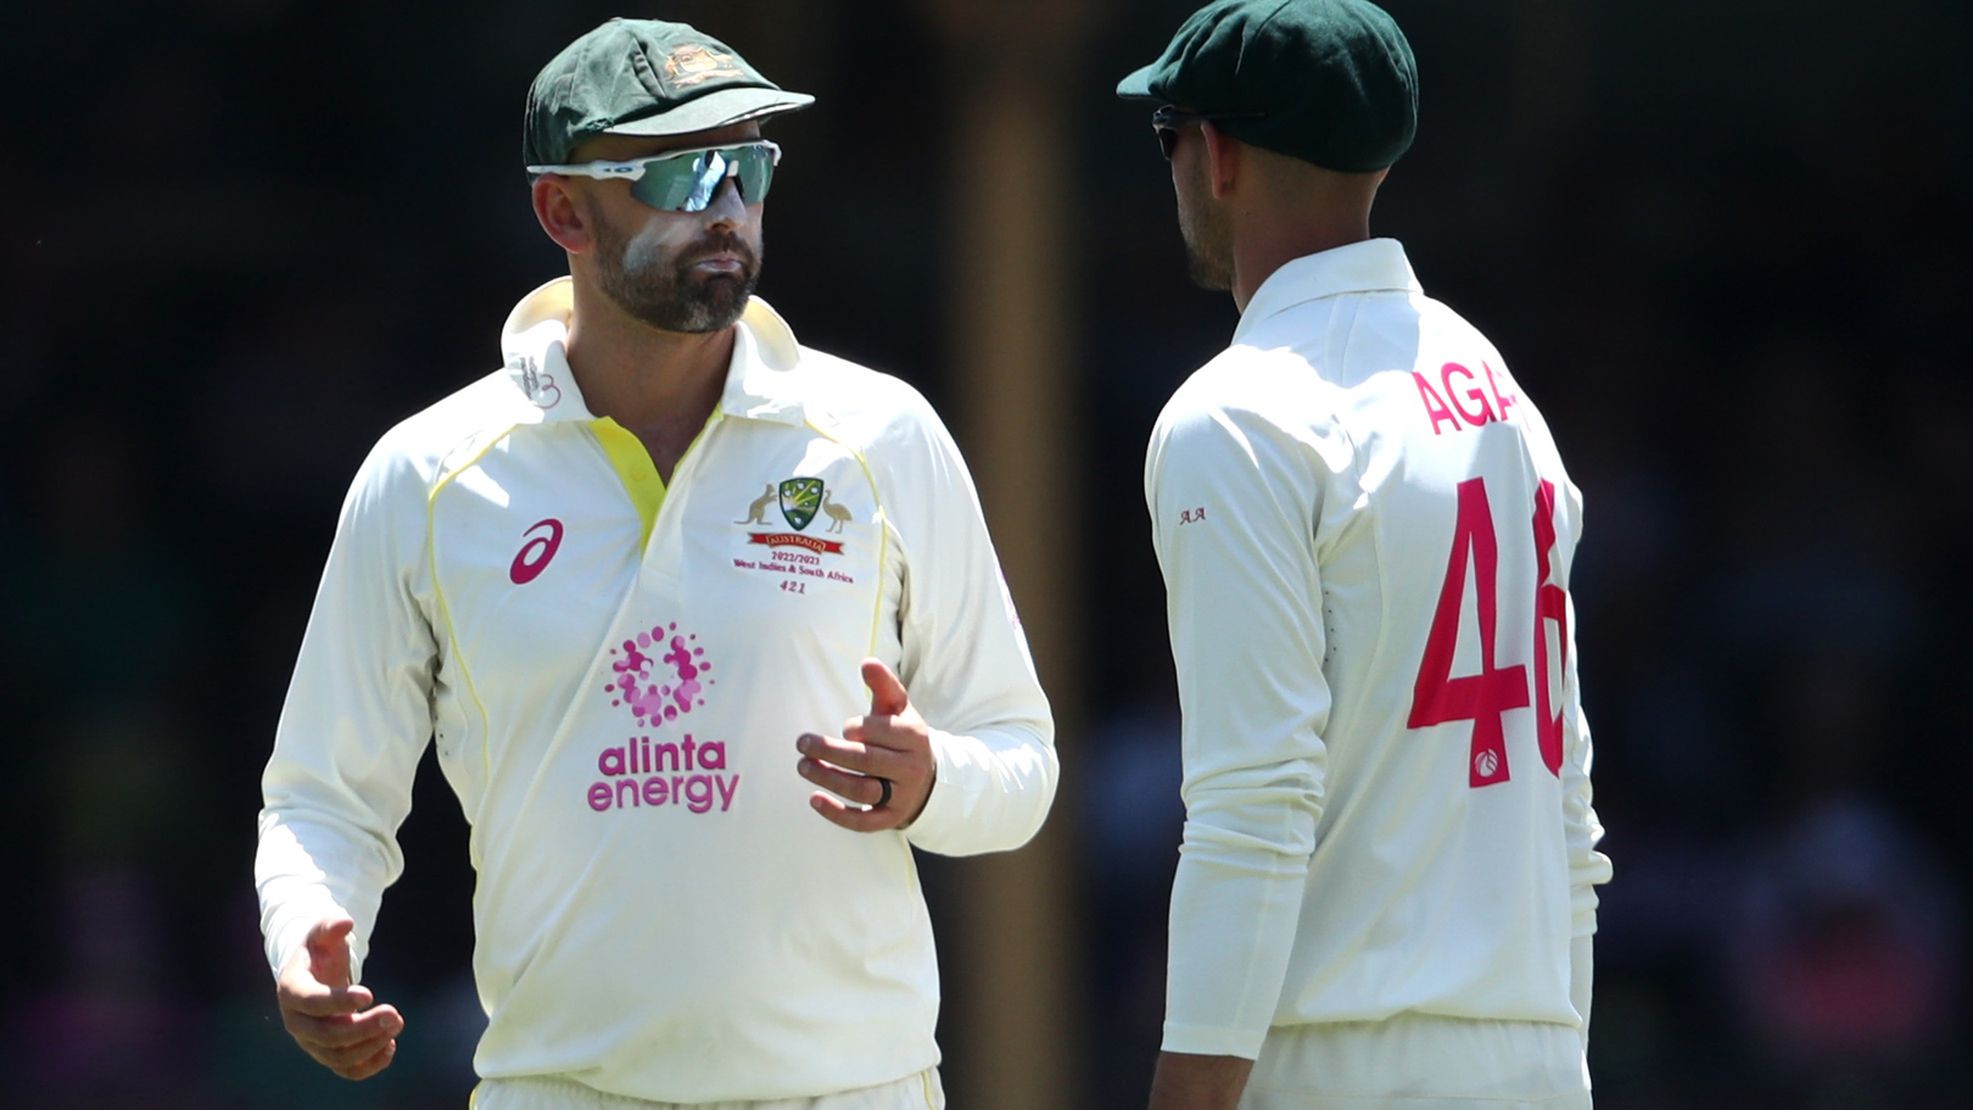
x=535, y=554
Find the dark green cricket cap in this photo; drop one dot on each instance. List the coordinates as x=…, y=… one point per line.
x=1333, y=81
x=643, y=77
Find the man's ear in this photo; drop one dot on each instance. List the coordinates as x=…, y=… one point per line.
x=1223, y=160
x=562, y=214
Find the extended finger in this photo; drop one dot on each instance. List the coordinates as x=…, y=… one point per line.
x=887, y=692
x=320, y=1001
x=852, y=755
x=346, y=1057
x=366, y=1068
x=871, y=732
x=864, y=789
x=325, y=955
x=852, y=818
x=337, y=1032
x=884, y=733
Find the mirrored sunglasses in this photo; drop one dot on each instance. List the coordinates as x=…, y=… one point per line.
x=687, y=180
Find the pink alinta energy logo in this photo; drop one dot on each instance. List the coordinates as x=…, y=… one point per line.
x=641, y=772
x=653, y=701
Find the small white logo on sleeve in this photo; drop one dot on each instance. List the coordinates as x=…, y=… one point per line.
x=1486, y=763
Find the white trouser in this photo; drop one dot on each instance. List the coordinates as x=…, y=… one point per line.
x=1420, y=1062
x=1425, y=1062
x=913, y=1092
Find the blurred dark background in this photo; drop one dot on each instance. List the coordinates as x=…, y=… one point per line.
x=1723, y=245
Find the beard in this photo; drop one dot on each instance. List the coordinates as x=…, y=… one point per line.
x=665, y=292
x=1207, y=271
x=1208, y=240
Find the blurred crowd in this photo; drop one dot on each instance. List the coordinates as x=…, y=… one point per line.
x=1725, y=248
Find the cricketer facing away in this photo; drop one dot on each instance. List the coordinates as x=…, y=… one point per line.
x=1385, y=894
x=634, y=583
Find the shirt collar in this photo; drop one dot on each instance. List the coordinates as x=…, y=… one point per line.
x=760, y=384
x=1372, y=266
x=534, y=340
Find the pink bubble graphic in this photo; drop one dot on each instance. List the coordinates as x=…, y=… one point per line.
x=633, y=659
x=650, y=700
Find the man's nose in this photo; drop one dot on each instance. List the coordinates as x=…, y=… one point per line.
x=727, y=208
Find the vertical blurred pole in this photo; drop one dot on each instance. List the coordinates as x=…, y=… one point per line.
x=1011, y=275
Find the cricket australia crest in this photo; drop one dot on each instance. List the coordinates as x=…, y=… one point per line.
x=800, y=498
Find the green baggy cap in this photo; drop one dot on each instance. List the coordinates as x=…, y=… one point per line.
x=1333, y=81
x=643, y=77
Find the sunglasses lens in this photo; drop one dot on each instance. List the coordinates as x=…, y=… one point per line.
x=708, y=170
x=1167, y=141
x=669, y=183
x=688, y=183
x=756, y=172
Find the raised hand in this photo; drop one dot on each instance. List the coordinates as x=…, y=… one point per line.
x=890, y=744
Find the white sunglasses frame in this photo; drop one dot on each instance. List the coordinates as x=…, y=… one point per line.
x=634, y=169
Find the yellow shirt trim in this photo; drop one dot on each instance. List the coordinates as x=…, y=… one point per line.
x=445, y=609
x=635, y=470
x=883, y=527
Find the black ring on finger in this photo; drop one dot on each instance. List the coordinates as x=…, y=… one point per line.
x=886, y=798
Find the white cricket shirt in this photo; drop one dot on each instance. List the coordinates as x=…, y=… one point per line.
x=616, y=672
x=1366, y=535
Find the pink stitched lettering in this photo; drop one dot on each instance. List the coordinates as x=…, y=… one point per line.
x=698, y=793
x=1485, y=415
x=1435, y=407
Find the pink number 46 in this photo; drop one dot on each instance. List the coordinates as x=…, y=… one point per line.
x=1484, y=698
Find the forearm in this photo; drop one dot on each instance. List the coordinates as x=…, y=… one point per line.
x=1188, y=1082
x=993, y=791
x=1236, y=901
x=307, y=869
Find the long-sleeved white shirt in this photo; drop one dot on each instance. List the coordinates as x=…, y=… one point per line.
x=1366, y=535
x=616, y=673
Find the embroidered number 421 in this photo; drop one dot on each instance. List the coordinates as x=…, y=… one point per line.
x=1484, y=698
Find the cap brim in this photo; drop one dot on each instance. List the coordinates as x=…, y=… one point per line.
x=1137, y=86
x=716, y=109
